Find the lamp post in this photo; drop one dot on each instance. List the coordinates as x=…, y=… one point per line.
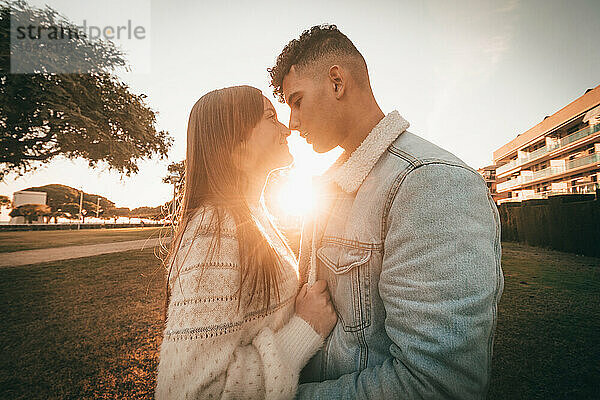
x=80, y=208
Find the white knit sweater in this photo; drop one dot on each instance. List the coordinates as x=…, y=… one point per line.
x=212, y=350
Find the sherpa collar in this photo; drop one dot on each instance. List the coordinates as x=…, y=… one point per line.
x=351, y=174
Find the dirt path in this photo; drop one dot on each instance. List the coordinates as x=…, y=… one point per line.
x=26, y=257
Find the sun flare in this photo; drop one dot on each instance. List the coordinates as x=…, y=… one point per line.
x=296, y=196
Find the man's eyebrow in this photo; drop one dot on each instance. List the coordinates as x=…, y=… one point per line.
x=291, y=97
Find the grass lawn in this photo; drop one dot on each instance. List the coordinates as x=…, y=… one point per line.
x=82, y=328
x=91, y=327
x=547, y=339
x=29, y=240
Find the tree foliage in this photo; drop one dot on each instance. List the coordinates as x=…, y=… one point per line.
x=176, y=175
x=69, y=210
x=78, y=115
x=5, y=201
x=64, y=201
x=154, y=213
x=118, y=212
x=31, y=212
x=59, y=195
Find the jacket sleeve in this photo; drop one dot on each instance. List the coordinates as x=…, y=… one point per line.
x=207, y=351
x=440, y=284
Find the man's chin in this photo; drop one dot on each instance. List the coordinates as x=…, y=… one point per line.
x=319, y=148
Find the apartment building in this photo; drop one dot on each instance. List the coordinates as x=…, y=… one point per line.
x=489, y=175
x=560, y=155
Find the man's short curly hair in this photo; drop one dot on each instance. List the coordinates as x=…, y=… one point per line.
x=314, y=44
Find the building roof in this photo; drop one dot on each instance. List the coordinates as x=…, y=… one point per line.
x=30, y=192
x=590, y=99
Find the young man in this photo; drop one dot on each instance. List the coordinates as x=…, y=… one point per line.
x=407, y=237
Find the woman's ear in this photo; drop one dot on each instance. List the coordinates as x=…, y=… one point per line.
x=337, y=81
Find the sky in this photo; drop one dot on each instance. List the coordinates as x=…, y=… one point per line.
x=468, y=75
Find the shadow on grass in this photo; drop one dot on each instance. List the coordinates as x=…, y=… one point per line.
x=83, y=328
x=91, y=327
x=547, y=343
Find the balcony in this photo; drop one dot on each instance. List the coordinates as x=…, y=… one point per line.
x=581, y=161
x=546, y=172
x=509, y=200
x=573, y=137
x=537, y=153
x=501, y=187
x=543, y=173
x=578, y=189
x=506, y=167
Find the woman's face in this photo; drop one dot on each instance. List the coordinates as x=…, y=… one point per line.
x=266, y=148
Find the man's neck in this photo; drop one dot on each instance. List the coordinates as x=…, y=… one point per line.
x=363, y=120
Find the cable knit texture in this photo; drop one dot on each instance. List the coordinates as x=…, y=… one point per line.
x=212, y=350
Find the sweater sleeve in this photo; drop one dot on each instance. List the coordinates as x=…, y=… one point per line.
x=208, y=350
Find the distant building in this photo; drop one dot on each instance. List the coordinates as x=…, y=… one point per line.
x=489, y=175
x=25, y=197
x=560, y=155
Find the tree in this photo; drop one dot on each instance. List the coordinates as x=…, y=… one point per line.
x=147, y=212
x=54, y=215
x=69, y=210
x=118, y=212
x=31, y=212
x=5, y=202
x=90, y=115
x=64, y=201
x=176, y=175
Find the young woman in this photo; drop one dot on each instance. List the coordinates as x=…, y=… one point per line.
x=235, y=324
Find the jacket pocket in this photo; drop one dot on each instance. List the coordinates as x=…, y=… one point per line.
x=348, y=283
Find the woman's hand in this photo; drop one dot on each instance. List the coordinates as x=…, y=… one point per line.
x=314, y=306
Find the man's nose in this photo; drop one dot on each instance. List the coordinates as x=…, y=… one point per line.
x=294, y=123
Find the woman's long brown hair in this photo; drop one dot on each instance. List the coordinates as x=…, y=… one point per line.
x=219, y=121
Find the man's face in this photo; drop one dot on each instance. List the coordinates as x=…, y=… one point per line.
x=314, y=109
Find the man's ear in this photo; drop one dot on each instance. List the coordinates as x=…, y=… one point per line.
x=337, y=81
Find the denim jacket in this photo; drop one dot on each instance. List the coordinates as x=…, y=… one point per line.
x=407, y=237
